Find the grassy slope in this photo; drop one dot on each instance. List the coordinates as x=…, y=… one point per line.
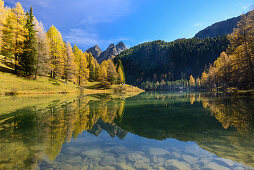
x=10, y=83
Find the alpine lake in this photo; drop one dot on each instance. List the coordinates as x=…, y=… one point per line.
x=153, y=130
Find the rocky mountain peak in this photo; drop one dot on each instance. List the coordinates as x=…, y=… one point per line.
x=109, y=53
x=111, y=46
x=95, y=51
x=121, y=47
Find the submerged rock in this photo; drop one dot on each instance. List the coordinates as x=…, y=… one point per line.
x=67, y=167
x=214, y=166
x=141, y=165
x=161, y=168
x=84, y=167
x=158, y=151
x=205, y=161
x=76, y=159
x=155, y=159
x=190, y=159
x=108, y=168
x=135, y=157
x=175, y=155
x=108, y=161
x=239, y=168
x=73, y=150
x=175, y=164
x=118, y=149
x=123, y=166
x=224, y=162
x=161, y=161
x=92, y=153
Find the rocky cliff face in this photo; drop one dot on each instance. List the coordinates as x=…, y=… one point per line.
x=95, y=51
x=109, y=53
x=120, y=47
x=219, y=28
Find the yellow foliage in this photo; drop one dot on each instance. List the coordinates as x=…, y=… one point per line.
x=192, y=81
x=56, y=52
x=121, y=75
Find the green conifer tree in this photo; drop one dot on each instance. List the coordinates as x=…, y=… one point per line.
x=29, y=56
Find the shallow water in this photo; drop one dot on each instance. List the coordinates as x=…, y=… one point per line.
x=154, y=130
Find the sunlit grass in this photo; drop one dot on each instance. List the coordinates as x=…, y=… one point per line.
x=13, y=84
x=125, y=90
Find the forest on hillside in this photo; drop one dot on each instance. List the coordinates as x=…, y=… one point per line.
x=28, y=50
x=170, y=61
x=235, y=66
x=209, y=63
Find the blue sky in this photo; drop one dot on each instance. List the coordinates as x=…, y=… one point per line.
x=90, y=22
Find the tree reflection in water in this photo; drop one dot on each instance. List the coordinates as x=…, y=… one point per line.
x=220, y=125
x=27, y=134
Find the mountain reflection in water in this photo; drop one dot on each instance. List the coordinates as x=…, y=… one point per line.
x=150, y=130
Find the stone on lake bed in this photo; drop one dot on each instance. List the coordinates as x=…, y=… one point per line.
x=108, y=161
x=145, y=159
x=176, y=155
x=155, y=159
x=97, y=159
x=204, y=161
x=158, y=151
x=161, y=168
x=66, y=167
x=239, y=168
x=175, y=164
x=190, y=159
x=141, y=165
x=108, y=168
x=76, y=159
x=84, y=167
x=135, y=156
x=222, y=161
x=214, y=166
x=72, y=149
x=160, y=161
x=123, y=166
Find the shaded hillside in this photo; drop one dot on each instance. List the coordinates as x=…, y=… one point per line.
x=158, y=60
x=220, y=28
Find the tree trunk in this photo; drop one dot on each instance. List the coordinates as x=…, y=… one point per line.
x=15, y=65
x=37, y=64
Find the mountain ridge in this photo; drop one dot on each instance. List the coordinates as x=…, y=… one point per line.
x=220, y=28
x=109, y=53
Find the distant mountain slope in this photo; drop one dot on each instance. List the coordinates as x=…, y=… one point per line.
x=219, y=28
x=158, y=60
x=109, y=53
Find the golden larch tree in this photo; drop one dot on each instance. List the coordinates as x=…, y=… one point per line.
x=56, y=52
